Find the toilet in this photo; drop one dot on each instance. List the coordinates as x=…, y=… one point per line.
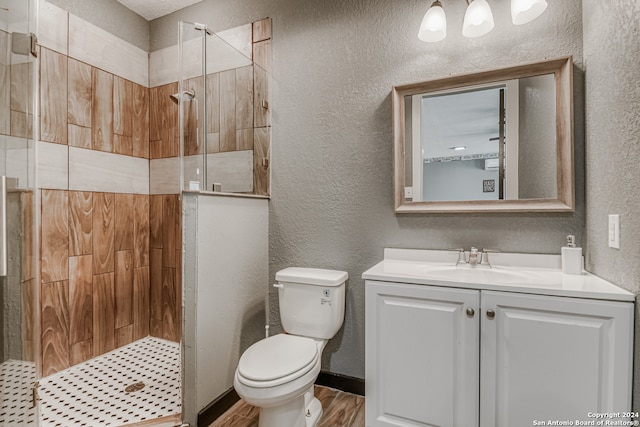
x=277, y=373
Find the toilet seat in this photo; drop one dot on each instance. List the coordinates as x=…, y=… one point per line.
x=277, y=360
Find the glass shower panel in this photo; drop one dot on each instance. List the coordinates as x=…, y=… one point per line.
x=191, y=101
x=216, y=81
x=18, y=338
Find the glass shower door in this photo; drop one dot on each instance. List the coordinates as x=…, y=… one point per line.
x=216, y=118
x=18, y=338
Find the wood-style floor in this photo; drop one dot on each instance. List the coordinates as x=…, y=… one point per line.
x=340, y=410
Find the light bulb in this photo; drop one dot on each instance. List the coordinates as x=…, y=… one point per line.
x=434, y=24
x=524, y=11
x=478, y=19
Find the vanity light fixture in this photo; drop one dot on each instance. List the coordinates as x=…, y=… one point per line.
x=459, y=148
x=478, y=18
x=434, y=24
x=523, y=11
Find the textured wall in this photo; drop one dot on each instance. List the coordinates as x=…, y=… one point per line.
x=612, y=59
x=536, y=141
x=111, y=16
x=334, y=63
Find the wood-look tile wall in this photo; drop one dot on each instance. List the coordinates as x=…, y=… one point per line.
x=164, y=138
x=5, y=87
x=28, y=275
x=85, y=107
x=94, y=274
x=165, y=281
x=94, y=255
x=238, y=112
x=261, y=111
x=111, y=262
x=16, y=115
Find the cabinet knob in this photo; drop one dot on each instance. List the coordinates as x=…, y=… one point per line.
x=491, y=314
x=470, y=312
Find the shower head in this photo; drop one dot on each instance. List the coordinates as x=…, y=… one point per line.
x=187, y=95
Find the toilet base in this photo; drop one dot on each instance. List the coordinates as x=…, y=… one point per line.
x=294, y=413
x=315, y=412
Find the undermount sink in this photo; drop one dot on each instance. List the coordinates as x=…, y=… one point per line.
x=478, y=273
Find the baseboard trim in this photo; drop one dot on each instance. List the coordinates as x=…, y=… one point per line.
x=215, y=409
x=341, y=382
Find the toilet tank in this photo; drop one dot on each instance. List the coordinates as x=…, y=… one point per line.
x=311, y=301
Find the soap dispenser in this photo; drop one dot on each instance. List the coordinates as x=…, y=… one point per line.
x=571, y=257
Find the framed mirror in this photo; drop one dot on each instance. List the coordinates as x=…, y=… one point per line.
x=493, y=141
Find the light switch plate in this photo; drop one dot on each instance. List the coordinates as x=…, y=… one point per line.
x=614, y=231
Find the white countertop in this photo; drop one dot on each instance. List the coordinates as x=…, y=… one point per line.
x=509, y=272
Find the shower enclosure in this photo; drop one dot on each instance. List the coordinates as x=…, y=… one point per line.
x=225, y=116
x=18, y=341
x=91, y=303
x=225, y=124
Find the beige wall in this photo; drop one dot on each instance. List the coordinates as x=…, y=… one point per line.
x=110, y=15
x=612, y=59
x=334, y=63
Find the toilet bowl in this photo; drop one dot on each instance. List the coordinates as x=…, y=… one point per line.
x=277, y=374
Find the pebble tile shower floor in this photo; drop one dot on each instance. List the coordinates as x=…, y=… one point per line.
x=93, y=393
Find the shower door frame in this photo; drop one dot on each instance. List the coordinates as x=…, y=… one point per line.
x=27, y=28
x=202, y=128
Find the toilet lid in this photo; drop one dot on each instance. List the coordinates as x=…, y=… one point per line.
x=276, y=357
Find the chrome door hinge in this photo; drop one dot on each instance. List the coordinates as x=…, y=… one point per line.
x=34, y=44
x=35, y=397
x=24, y=44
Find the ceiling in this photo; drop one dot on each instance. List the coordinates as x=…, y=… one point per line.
x=469, y=119
x=152, y=9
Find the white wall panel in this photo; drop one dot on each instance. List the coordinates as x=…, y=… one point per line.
x=226, y=307
x=103, y=50
x=53, y=166
x=91, y=170
x=53, y=25
x=225, y=51
x=164, y=176
x=232, y=169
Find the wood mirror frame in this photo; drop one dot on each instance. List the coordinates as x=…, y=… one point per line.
x=562, y=69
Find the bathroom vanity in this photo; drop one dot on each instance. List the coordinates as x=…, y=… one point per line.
x=505, y=345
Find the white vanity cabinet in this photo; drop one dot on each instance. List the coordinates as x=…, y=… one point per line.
x=552, y=358
x=421, y=355
x=445, y=356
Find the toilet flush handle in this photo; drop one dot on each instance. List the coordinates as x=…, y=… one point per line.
x=278, y=285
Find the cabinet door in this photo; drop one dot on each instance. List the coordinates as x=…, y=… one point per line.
x=421, y=356
x=549, y=358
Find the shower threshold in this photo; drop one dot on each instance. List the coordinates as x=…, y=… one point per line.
x=135, y=385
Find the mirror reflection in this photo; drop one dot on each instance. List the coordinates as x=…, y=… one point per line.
x=493, y=141
x=499, y=140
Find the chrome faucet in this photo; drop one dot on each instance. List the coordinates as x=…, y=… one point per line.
x=461, y=257
x=475, y=257
x=485, y=255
